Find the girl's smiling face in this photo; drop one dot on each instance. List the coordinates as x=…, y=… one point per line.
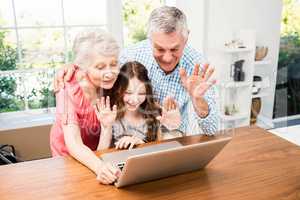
x=134, y=95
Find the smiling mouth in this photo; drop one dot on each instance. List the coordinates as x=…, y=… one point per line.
x=131, y=105
x=108, y=81
x=166, y=63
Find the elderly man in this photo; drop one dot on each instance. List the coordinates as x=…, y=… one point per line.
x=173, y=68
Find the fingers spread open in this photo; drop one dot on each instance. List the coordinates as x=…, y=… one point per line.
x=107, y=102
x=196, y=70
x=166, y=103
x=59, y=79
x=209, y=74
x=55, y=85
x=115, y=109
x=212, y=82
x=98, y=105
x=183, y=76
x=102, y=103
x=173, y=103
x=169, y=101
x=69, y=72
x=204, y=70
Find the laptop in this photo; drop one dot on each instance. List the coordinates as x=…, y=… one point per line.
x=162, y=160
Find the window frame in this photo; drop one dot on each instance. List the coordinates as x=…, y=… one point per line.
x=113, y=24
x=45, y=116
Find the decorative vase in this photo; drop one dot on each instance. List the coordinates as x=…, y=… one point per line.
x=261, y=53
x=255, y=109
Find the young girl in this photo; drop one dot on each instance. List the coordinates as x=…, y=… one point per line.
x=76, y=130
x=139, y=118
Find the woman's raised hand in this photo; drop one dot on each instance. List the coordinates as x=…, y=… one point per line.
x=105, y=114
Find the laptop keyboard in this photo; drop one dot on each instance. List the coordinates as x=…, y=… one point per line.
x=121, y=165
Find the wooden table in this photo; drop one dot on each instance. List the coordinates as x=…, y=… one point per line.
x=254, y=165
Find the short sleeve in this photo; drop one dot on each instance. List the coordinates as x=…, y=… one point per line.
x=66, y=105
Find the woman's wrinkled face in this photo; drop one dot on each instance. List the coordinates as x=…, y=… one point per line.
x=103, y=71
x=134, y=95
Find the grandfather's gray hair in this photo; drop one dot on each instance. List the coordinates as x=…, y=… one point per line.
x=91, y=42
x=167, y=19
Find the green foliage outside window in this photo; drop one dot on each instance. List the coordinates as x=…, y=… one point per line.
x=290, y=33
x=288, y=74
x=9, y=101
x=135, y=16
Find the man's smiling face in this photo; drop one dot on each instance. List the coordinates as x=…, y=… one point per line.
x=168, y=49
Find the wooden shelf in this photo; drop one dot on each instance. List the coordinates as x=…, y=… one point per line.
x=234, y=117
x=236, y=50
x=235, y=96
x=262, y=62
x=233, y=84
x=260, y=94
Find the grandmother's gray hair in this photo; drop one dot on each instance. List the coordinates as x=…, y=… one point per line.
x=91, y=42
x=167, y=19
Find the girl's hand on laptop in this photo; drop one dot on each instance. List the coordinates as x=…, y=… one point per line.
x=107, y=173
x=128, y=142
x=170, y=117
x=105, y=114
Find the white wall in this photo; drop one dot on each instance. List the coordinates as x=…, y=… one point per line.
x=115, y=20
x=196, y=16
x=224, y=17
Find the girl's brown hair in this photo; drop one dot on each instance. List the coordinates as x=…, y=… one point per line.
x=149, y=109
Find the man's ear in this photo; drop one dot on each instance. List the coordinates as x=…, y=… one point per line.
x=187, y=37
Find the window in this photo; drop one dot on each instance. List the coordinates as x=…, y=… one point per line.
x=135, y=18
x=288, y=74
x=35, y=38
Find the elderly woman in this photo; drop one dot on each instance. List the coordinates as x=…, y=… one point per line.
x=76, y=131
